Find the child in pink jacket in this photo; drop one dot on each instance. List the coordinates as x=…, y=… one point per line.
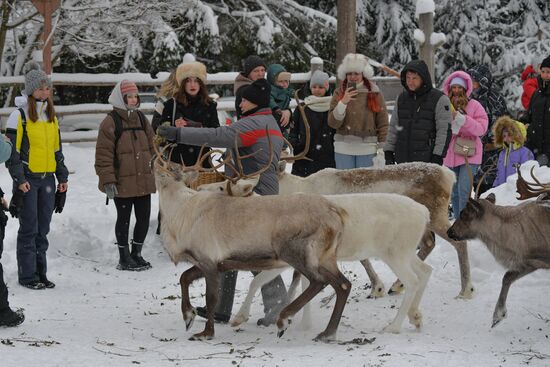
x=470, y=122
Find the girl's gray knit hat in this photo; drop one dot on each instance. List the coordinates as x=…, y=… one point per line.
x=35, y=78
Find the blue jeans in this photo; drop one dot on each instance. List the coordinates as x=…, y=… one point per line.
x=461, y=189
x=34, y=225
x=345, y=161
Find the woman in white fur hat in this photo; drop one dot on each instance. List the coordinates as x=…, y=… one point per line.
x=190, y=106
x=358, y=113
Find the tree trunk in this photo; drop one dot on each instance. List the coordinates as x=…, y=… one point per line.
x=7, y=6
x=345, y=29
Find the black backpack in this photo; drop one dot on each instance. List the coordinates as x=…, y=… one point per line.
x=119, y=129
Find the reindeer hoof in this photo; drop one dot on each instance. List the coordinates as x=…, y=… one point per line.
x=201, y=337
x=238, y=320
x=498, y=316
x=283, y=324
x=467, y=293
x=397, y=288
x=377, y=292
x=189, y=317
x=324, y=337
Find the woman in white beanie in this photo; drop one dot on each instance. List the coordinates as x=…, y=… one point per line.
x=358, y=113
x=35, y=164
x=321, y=145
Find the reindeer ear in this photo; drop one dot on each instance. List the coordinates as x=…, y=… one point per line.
x=491, y=197
x=248, y=185
x=476, y=206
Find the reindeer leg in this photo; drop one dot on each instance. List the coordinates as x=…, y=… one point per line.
x=342, y=287
x=467, y=288
x=509, y=277
x=284, y=320
x=212, y=284
x=426, y=245
x=423, y=272
x=187, y=310
x=404, y=270
x=259, y=280
x=377, y=287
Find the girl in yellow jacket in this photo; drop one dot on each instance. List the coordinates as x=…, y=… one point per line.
x=35, y=163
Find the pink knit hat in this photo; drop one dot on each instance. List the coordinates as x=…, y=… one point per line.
x=127, y=87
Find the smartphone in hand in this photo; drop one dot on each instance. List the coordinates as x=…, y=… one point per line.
x=352, y=85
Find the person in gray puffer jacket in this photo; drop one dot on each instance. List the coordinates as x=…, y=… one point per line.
x=250, y=134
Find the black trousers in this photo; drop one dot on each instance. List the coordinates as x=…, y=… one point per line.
x=142, y=212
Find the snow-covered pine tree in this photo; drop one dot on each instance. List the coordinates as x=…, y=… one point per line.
x=385, y=31
x=504, y=34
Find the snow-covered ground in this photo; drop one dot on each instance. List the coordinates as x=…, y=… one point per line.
x=98, y=316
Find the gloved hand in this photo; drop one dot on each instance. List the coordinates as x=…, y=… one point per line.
x=458, y=121
x=390, y=157
x=60, y=200
x=437, y=159
x=169, y=133
x=16, y=203
x=110, y=190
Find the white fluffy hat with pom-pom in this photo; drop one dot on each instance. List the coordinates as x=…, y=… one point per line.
x=355, y=63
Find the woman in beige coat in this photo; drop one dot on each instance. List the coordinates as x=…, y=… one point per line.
x=358, y=113
x=123, y=154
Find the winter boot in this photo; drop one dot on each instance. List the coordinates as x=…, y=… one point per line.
x=136, y=255
x=10, y=318
x=126, y=261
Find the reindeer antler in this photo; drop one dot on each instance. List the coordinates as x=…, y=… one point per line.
x=239, y=172
x=528, y=190
x=491, y=168
x=308, y=133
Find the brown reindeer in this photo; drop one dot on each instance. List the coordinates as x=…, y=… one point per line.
x=517, y=236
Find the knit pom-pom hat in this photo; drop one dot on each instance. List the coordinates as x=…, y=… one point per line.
x=35, y=78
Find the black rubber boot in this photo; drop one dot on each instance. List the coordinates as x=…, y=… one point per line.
x=126, y=261
x=136, y=255
x=10, y=318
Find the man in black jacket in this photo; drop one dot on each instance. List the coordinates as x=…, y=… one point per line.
x=420, y=125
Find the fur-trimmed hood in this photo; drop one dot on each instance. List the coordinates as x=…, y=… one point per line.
x=356, y=63
x=515, y=128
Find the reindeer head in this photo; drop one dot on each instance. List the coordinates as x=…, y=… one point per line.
x=167, y=173
x=464, y=228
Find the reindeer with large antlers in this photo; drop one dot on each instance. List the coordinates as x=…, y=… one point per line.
x=517, y=236
x=249, y=133
x=206, y=229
